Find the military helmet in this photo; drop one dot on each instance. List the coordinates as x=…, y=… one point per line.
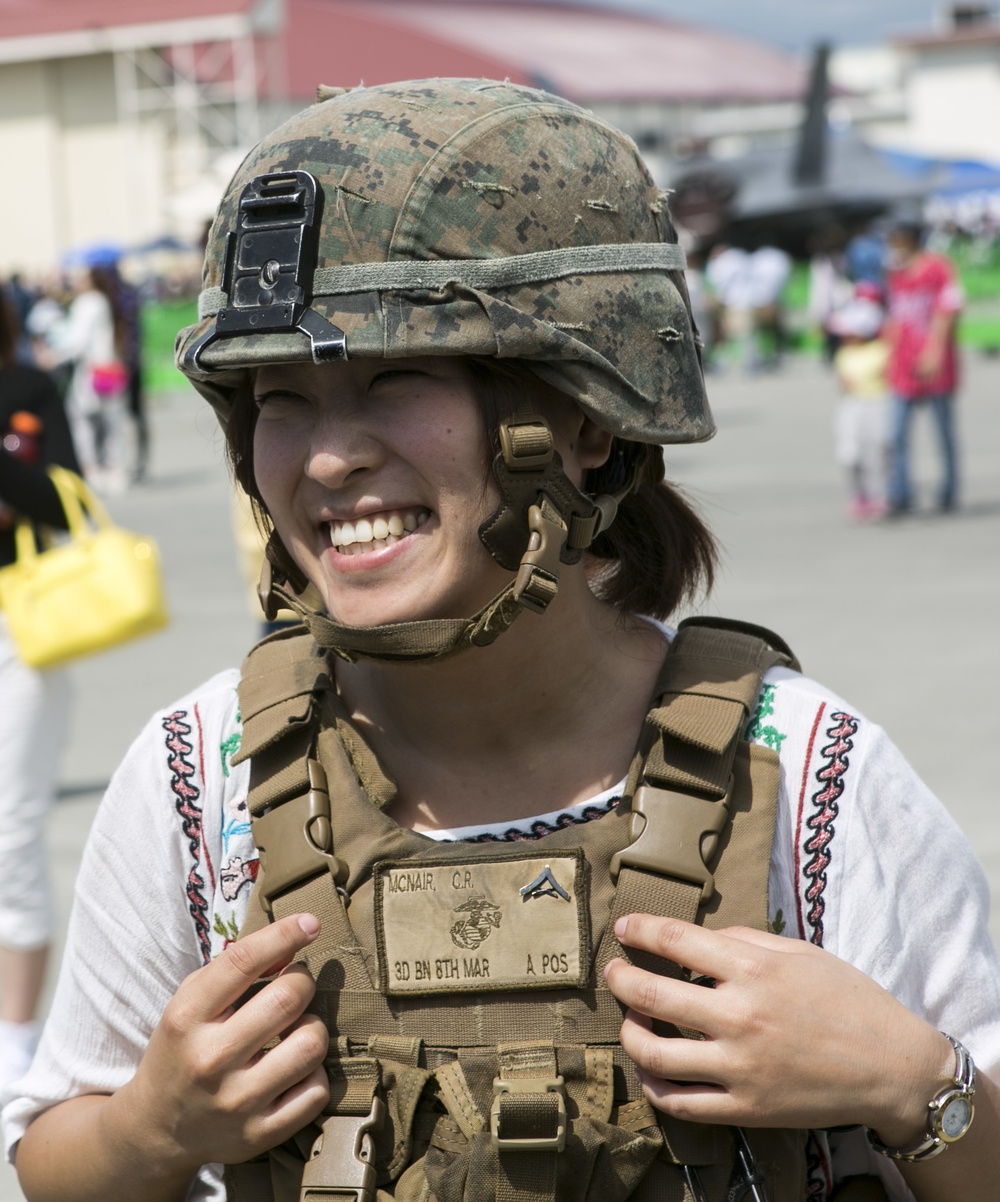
x=454, y=217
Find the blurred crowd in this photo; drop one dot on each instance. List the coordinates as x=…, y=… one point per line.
x=83, y=328
x=884, y=303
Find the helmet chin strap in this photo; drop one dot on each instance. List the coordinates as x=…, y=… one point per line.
x=535, y=492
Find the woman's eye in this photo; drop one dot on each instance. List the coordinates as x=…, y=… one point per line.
x=275, y=400
x=395, y=373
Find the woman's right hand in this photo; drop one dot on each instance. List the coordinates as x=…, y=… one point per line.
x=205, y=1089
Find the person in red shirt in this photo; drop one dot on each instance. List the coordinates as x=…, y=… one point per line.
x=925, y=299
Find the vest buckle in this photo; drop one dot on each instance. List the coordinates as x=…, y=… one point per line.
x=514, y=1111
x=342, y=1162
x=673, y=834
x=295, y=841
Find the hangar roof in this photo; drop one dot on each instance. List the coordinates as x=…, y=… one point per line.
x=583, y=51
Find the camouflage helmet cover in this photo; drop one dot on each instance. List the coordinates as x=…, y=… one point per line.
x=470, y=217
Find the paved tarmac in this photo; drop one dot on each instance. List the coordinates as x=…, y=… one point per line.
x=900, y=618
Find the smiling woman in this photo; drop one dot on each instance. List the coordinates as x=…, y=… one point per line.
x=512, y=892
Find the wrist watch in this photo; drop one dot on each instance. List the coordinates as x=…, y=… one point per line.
x=950, y=1113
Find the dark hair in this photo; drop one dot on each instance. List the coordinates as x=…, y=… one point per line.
x=107, y=281
x=8, y=331
x=909, y=231
x=657, y=554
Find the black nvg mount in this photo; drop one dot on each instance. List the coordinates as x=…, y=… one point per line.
x=269, y=262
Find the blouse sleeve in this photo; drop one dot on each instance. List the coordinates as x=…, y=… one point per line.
x=131, y=942
x=914, y=908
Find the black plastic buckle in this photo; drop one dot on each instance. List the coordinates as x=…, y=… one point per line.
x=270, y=260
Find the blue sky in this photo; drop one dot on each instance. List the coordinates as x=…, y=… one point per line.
x=799, y=24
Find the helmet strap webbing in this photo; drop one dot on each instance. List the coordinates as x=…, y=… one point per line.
x=561, y=523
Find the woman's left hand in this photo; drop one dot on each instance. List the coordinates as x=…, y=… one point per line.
x=794, y=1037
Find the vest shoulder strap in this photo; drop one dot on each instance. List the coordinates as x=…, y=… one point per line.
x=697, y=789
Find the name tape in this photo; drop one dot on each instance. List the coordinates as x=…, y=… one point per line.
x=473, y=926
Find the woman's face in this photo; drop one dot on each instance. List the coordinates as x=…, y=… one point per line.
x=373, y=472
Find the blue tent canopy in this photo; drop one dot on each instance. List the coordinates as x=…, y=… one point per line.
x=950, y=177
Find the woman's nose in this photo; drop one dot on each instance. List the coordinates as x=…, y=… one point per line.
x=344, y=444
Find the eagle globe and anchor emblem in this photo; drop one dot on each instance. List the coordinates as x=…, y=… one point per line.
x=481, y=917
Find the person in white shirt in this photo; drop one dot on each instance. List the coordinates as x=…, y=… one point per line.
x=494, y=289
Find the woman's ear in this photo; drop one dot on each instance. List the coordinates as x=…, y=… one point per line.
x=593, y=445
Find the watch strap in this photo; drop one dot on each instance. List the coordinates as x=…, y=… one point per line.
x=935, y=1141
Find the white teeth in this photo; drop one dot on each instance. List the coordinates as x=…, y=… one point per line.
x=353, y=537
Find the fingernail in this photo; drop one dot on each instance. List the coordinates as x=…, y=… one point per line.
x=621, y=926
x=309, y=924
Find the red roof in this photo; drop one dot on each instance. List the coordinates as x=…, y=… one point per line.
x=35, y=18
x=345, y=44
x=580, y=51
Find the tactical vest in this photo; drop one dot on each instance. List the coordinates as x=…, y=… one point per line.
x=474, y=1052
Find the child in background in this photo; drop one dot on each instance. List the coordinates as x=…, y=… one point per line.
x=860, y=420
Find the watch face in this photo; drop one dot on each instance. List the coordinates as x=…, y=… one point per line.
x=954, y=1119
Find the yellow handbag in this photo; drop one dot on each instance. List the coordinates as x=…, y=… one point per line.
x=99, y=587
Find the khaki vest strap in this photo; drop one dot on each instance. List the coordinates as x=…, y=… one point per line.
x=396, y=1047
x=600, y=1068
x=457, y=1097
x=647, y=893
x=335, y=958
x=354, y=1081
x=528, y=1121
x=635, y=1116
x=684, y=783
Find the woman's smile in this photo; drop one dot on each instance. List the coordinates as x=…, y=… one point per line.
x=374, y=473
x=375, y=532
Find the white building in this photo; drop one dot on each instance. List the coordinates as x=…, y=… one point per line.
x=936, y=96
x=108, y=118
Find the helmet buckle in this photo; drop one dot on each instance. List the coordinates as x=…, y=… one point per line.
x=538, y=576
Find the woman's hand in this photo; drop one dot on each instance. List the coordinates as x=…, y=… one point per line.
x=206, y=1090
x=794, y=1037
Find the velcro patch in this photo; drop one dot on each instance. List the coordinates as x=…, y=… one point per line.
x=520, y=921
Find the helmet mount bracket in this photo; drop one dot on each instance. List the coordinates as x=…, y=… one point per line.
x=268, y=267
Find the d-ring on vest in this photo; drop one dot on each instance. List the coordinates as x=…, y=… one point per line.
x=437, y=1091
